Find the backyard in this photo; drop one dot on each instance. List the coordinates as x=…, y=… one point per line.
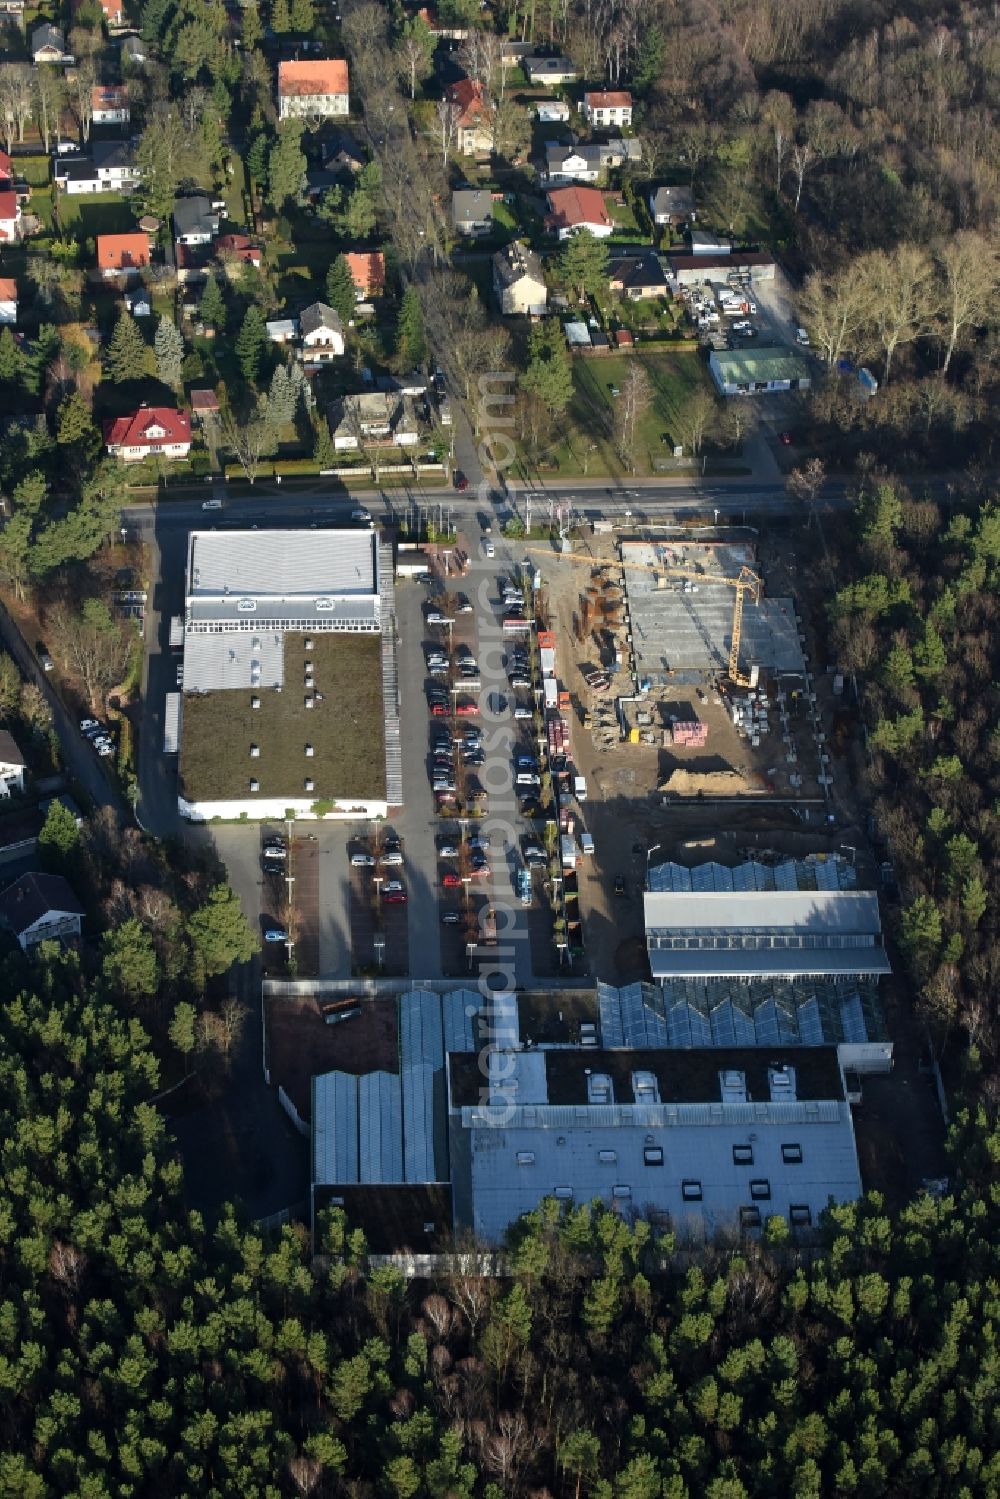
x=587, y=443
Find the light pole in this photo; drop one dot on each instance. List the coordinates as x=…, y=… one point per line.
x=649, y=853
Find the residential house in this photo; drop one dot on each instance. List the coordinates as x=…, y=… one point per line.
x=549, y=70
x=204, y=405
x=12, y=765
x=619, y=152
x=135, y=51
x=109, y=105
x=473, y=134
x=195, y=221
x=691, y=270
x=77, y=175
x=376, y=418
x=315, y=86
x=551, y=111
x=192, y=263
x=47, y=44
x=115, y=164
x=235, y=251
x=705, y=243
x=367, y=267
x=12, y=10
x=139, y=302
x=122, y=254
x=572, y=163
x=322, y=333
x=10, y=214
x=575, y=208
x=8, y=299
x=472, y=211
x=608, y=108
x=638, y=276
x=6, y=165
x=342, y=155
x=518, y=283
x=444, y=33
x=152, y=431
x=40, y=908
x=672, y=206
x=114, y=13
x=284, y=330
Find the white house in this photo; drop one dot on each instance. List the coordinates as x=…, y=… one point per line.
x=672, y=205
x=550, y=70
x=282, y=330
x=109, y=105
x=152, y=431
x=316, y=86
x=608, y=108
x=572, y=163
x=47, y=44
x=376, y=418
x=322, y=333
x=195, y=221
x=11, y=764
x=10, y=214
x=518, y=282
x=40, y=908
x=552, y=111
x=574, y=208
x=8, y=299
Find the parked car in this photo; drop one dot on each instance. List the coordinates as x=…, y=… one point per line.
x=451, y=880
x=464, y=710
x=534, y=854
x=392, y=857
x=363, y=861
x=451, y=918
x=439, y=710
x=802, y=338
x=89, y=726
x=620, y=886
x=276, y=934
x=447, y=850
x=104, y=748
x=523, y=711
x=785, y=438
x=464, y=606
x=489, y=550
x=520, y=683
x=474, y=757
x=362, y=513
x=435, y=617
x=275, y=848
x=45, y=660
x=395, y=898
x=461, y=482
x=392, y=886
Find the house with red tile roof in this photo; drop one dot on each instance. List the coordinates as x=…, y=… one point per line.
x=575, y=208
x=6, y=168
x=473, y=133
x=608, y=108
x=315, y=86
x=109, y=104
x=150, y=431
x=10, y=213
x=8, y=299
x=368, y=269
x=122, y=254
x=235, y=251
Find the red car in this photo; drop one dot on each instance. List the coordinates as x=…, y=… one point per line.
x=439, y=710
x=465, y=709
x=451, y=881
x=461, y=482
x=395, y=898
x=785, y=438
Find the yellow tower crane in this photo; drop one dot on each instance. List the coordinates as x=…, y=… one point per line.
x=747, y=582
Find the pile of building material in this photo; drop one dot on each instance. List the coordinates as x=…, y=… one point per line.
x=750, y=716
x=691, y=733
x=711, y=783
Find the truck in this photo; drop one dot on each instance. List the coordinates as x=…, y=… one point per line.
x=567, y=851
x=177, y=632
x=524, y=886
x=580, y=788
x=172, y=723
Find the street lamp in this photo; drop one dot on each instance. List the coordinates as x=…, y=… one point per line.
x=649, y=853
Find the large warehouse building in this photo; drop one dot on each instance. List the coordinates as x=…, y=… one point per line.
x=705, y=1143
x=288, y=677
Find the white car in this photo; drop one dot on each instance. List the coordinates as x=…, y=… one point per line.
x=89, y=726
x=802, y=338
x=489, y=550
x=394, y=857
x=435, y=617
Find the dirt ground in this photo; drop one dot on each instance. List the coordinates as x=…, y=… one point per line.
x=300, y=1044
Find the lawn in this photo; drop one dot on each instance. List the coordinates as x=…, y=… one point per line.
x=85, y=217
x=345, y=728
x=586, y=445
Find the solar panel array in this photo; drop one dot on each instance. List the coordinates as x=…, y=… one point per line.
x=691, y=1012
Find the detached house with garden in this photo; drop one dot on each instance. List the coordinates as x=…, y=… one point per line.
x=313, y=87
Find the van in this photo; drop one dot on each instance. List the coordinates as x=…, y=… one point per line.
x=587, y=843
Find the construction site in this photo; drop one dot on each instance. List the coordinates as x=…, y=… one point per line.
x=692, y=680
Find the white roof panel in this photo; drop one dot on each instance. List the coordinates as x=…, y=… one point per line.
x=214, y=663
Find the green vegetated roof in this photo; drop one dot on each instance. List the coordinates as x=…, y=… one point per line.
x=345, y=727
x=767, y=364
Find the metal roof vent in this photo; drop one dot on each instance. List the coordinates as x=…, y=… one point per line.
x=733, y=1085
x=255, y=702
x=309, y=751
x=309, y=783
x=645, y=1088
x=781, y=1080
x=307, y=645
x=254, y=785
x=600, y=1088
x=255, y=751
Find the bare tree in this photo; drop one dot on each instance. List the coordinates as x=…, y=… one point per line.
x=778, y=116
x=250, y=440
x=93, y=645
x=836, y=308
x=969, y=273
x=482, y=57
x=17, y=98
x=902, y=291
x=697, y=416
x=447, y=118
x=50, y=95
x=629, y=408
x=84, y=78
